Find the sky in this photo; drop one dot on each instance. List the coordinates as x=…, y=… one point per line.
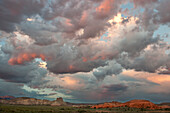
x=85, y=51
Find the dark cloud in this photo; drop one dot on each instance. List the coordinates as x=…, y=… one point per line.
x=19, y=73
x=136, y=41
x=42, y=33
x=13, y=12
x=115, y=87
x=16, y=89
x=155, y=13
x=163, y=15
x=71, y=16
x=13, y=88
x=69, y=59
x=98, y=93
x=149, y=60
x=143, y=2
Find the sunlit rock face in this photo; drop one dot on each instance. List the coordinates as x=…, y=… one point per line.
x=132, y=104
x=33, y=101
x=59, y=101
x=107, y=105
x=141, y=104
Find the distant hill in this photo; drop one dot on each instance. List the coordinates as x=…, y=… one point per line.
x=32, y=101
x=59, y=102
x=7, y=97
x=165, y=105
x=132, y=104
x=141, y=104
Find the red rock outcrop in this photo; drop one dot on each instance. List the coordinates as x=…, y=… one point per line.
x=133, y=104
x=107, y=105
x=141, y=104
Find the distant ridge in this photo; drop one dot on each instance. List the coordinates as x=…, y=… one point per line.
x=7, y=97
x=132, y=104
x=32, y=101
x=146, y=104
x=165, y=105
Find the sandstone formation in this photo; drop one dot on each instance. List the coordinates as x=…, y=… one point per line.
x=107, y=105
x=133, y=104
x=33, y=101
x=141, y=104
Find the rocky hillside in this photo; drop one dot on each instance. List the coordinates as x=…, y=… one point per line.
x=141, y=104
x=33, y=101
x=133, y=104
x=164, y=105
x=107, y=105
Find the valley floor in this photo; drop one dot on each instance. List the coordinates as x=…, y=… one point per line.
x=69, y=109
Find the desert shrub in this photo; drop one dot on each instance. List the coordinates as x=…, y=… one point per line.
x=82, y=111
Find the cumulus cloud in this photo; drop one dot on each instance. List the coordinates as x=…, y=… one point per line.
x=77, y=38
x=112, y=68
x=13, y=11
x=41, y=32
x=149, y=60
x=19, y=73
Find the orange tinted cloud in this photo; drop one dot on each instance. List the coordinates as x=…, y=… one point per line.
x=25, y=57
x=105, y=6
x=42, y=57
x=84, y=59
x=153, y=77
x=159, y=78
x=69, y=81
x=71, y=67
x=102, y=57
x=68, y=22
x=83, y=18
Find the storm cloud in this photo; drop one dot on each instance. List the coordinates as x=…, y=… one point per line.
x=14, y=11
x=79, y=48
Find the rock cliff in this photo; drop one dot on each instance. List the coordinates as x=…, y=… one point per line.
x=33, y=101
